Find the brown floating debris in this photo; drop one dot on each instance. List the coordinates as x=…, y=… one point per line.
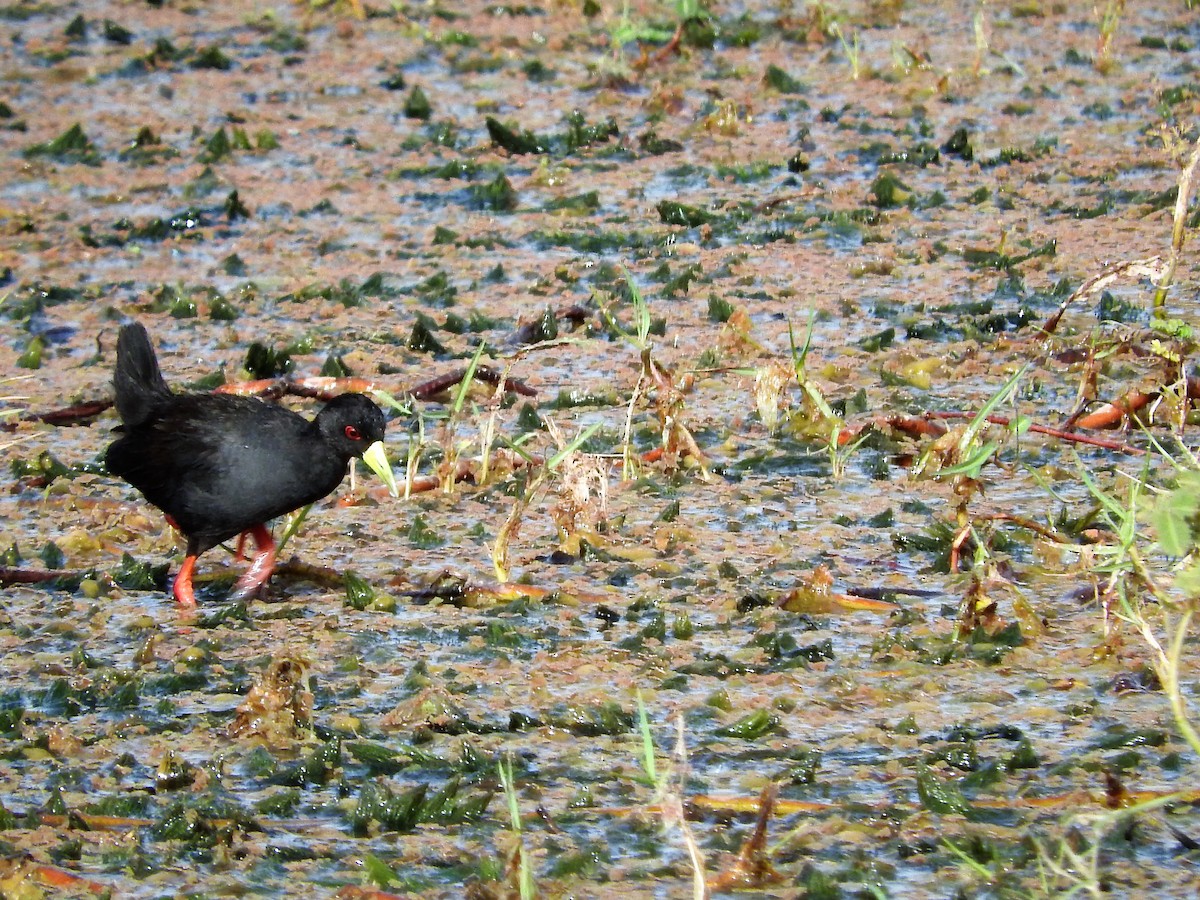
x=929, y=426
x=11, y=575
x=21, y=877
x=1111, y=415
x=74, y=414
x=752, y=868
x=351, y=892
x=316, y=387
x=813, y=594
x=428, y=389
x=278, y=709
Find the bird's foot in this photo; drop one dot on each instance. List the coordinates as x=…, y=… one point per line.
x=261, y=566
x=254, y=578
x=182, y=589
x=240, y=553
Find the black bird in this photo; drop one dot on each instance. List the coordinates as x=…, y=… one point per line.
x=219, y=465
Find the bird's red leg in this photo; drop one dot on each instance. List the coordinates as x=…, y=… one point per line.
x=183, y=583
x=260, y=569
x=240, y=552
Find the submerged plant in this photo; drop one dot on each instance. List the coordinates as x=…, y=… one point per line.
x=1159, y=606
x=338, y=7
x=852, y=48
x=678, y=446
x=1184, y=191
x=535, y=478
x=518, y=860
x=668, y=789
x=770, y=394
x=979, y=29
x=817, y=409
x=960, y=455
x=1073, y=864
x=452, y=448
x=1109, y=21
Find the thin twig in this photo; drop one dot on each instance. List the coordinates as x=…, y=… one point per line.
x=1133, y=268
x=1178, y=229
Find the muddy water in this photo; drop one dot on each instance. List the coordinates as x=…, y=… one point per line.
x=142, y=751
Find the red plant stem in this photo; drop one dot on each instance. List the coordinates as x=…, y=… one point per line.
x=1046, y=430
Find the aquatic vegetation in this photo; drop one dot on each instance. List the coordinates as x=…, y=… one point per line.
x=1110, y=20
x=72, y=146
x=852, y=47
x=518, y=861
x=799, y=492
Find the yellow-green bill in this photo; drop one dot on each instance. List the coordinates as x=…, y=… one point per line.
x=377, y=461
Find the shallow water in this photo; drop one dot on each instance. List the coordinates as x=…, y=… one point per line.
x=859, y=716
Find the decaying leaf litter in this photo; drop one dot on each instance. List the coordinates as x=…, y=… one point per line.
x=870, y=211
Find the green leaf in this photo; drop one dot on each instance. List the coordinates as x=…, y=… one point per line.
x=515, y=140
x=940, y=796
x=417, y=105
x=1176, y=328
x=972, y=465
x=672, y=212
x=751, y=726
x=359, y=593
x=782, y=81
x=133, y=575
x=379, y=872
x=578, y=442
x=1174, y=516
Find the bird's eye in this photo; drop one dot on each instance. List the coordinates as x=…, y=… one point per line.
x=353, y=433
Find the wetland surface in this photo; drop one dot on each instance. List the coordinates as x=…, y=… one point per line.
x=644, y=219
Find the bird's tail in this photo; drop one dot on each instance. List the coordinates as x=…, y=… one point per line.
x=139, y=383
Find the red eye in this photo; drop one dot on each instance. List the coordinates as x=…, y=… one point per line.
x=353, y=433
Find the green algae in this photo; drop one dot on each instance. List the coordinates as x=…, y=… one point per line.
x=72, y=146
x=962, y=279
